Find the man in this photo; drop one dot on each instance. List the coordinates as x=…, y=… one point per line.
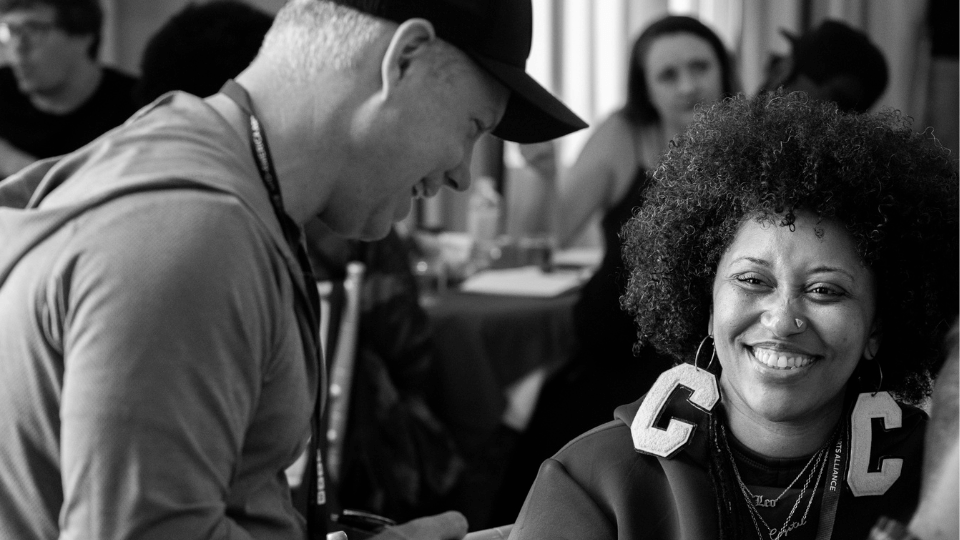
x=157, y=321
x=55, y=95
x=832, y=62
x=200, y=47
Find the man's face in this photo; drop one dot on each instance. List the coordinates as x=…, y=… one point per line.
x=424, y=140
x=43, y=56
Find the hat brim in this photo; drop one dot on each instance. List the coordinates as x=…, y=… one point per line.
x=533, y=114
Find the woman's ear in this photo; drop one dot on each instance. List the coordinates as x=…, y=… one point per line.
x=408, y=44
x=710, y=324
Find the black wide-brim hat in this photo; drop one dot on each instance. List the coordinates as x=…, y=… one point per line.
x=497, y=35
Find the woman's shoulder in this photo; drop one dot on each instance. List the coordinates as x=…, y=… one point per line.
x=609, y=448
x=600, y=486
x=607, y=440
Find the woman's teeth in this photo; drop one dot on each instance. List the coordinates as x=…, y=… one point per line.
x=781, y=360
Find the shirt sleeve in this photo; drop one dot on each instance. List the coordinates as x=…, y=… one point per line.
x=557, y=507
x=164, y=349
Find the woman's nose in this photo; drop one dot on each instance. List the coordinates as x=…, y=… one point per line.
x=783, y=319
x=686, y=83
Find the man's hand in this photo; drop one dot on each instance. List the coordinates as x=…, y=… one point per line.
x=445, y=526
x=12, y=159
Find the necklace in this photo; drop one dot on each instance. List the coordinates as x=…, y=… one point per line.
x=818, y=462
x=760, y=500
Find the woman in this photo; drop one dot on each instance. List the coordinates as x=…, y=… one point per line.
x=819, y=252
x=677, y=63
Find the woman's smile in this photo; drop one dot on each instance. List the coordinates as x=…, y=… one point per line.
x=780, y=359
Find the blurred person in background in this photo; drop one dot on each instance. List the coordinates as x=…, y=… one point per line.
x=676, y=64
x=399, y=459
x=200, y=47
x=56, y=97
x=832, y=62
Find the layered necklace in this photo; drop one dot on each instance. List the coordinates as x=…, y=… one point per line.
x=813, y=469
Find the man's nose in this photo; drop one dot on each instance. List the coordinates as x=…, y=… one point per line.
x=459, y=177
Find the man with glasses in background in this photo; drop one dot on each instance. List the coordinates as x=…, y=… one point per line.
x=55, y=96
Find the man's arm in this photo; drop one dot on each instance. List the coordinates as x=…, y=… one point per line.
x=165, y=340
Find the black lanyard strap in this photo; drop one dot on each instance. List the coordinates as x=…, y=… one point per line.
x=314, y=476
x=258, y=147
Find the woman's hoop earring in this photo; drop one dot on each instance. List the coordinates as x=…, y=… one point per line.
x=880, y=382
x=712, y=356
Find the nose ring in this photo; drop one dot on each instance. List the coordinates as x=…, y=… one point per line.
x=798, y=322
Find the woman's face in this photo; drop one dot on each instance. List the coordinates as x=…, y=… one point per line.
x=793, y=314
x=681, y=70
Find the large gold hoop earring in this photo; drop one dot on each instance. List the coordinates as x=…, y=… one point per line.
x=712, y=356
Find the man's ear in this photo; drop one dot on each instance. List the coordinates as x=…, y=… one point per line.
x=407, y=44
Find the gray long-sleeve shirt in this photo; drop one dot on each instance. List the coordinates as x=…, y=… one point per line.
x=154, y=377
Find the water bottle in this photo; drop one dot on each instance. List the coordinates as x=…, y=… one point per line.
x=483, y=214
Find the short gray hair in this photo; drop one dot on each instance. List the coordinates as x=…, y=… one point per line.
x=310, y=35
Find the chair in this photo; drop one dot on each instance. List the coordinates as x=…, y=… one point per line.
x=341, y=358
x=339, y=324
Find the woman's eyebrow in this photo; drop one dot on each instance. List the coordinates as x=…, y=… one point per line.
x=831, y=269
x=754, y=260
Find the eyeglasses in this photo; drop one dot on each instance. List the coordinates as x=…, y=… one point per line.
x=32, y=31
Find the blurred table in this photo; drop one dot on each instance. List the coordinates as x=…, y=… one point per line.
x=486, y=342
x=493, y=351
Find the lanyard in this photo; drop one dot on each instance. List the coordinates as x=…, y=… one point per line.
x=314, y=476
x=833, y=485
x=261, y=154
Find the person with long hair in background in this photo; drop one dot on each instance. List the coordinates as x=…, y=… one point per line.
x=676, y=64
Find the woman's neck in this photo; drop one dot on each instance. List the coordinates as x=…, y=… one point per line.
x=671, y=130
x=782, y=439
x=652, y=143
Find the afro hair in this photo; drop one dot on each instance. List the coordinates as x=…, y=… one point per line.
x=894, y=189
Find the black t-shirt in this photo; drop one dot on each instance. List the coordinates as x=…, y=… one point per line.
x=44, y=135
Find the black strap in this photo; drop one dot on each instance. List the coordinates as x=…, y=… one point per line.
x=314, y=475
x=836, y=478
